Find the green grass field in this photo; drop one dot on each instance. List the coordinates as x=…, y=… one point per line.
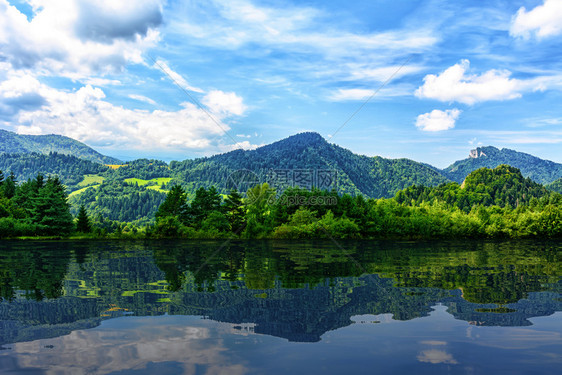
x=80, y=191
x=155, y=181
x=91, y=179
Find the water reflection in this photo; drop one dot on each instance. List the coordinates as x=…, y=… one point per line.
x=297, y=291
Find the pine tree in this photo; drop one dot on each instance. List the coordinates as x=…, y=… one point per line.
x=234, y=210
x=205, y=202
x=51, y=211
x=174, y=205
x=83, y=221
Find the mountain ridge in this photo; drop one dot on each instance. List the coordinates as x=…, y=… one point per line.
x=539, y=170
x=12, y=143
x=372, y=176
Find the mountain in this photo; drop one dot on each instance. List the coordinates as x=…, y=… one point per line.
x=555, y=186
x=11, y=142
x=503, y=186
x=539, y=170
x=306, y=160
x=70, y=169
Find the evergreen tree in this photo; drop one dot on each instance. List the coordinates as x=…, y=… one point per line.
x=83, y=221
x=51, y=211
x=234, y=210
x=9, y=186
x=205, y=202
x=174, y=205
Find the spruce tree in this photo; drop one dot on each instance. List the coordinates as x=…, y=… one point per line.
x=234, y=210
x=83, y=224
x=51, y=211
x=174, y=205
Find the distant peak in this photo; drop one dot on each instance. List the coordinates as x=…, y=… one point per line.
x=480, y=152
x=301, y=139
x=309, y=136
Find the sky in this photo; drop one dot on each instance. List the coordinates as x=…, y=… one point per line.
x=425, y=80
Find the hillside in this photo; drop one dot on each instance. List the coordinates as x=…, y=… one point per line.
x=298, y=159
x=43, y=144
x=539, y=170
x=555, y=186
x=503, y=186
x=70, y=169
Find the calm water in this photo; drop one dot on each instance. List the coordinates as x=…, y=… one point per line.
x=276, y=308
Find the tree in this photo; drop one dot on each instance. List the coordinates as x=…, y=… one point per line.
x=83, y=224
x=174, y=205
x=9, y=186
x=205, y=202
x=50, y=210
x=234, y=210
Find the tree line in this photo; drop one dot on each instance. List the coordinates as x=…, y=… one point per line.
x=37, y=207
x=496, y=203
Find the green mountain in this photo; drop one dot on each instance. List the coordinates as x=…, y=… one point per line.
x=555, y=186
x=11, y=142
x=306, y=160
x=539, y=170
x=503, y=186
x=70, y=169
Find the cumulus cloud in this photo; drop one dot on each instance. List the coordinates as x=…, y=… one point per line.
x=86, y=115
x=543, y=21
x=76, y=37
x=455, y=85
x=437, y=120
x=224, y=103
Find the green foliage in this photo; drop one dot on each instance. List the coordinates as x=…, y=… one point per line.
x=503, y=186
x=37, y=207
x=118, y=201
x=373, y=177
x=555, y=186
x=83, y=224
x=44, y=144
x=234, y=210
x=539, y=170
x=71, y=169
x=175, y=204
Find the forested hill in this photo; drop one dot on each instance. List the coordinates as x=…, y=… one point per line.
x=374, y=177
x=503, y=186
x=70, y=169
x=555, y=186
x=43, y=144
x=539, y=170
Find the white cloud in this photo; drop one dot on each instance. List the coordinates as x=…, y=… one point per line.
x=101, y=82
x=77, y=37
x=224, y=103
x=437, y=120
x=455, y=85
x=543, y=21
x=351, y=94
x=299, y=30
x=142, y=98
x=86, y=115
x=176, y=77
x=381, y=74
x=436, y=356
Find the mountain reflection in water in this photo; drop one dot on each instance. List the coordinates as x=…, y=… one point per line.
x=298, y=291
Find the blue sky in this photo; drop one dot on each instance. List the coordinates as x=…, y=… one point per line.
x=432, y=79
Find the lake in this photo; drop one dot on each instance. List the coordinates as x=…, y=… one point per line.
x=264, y=307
